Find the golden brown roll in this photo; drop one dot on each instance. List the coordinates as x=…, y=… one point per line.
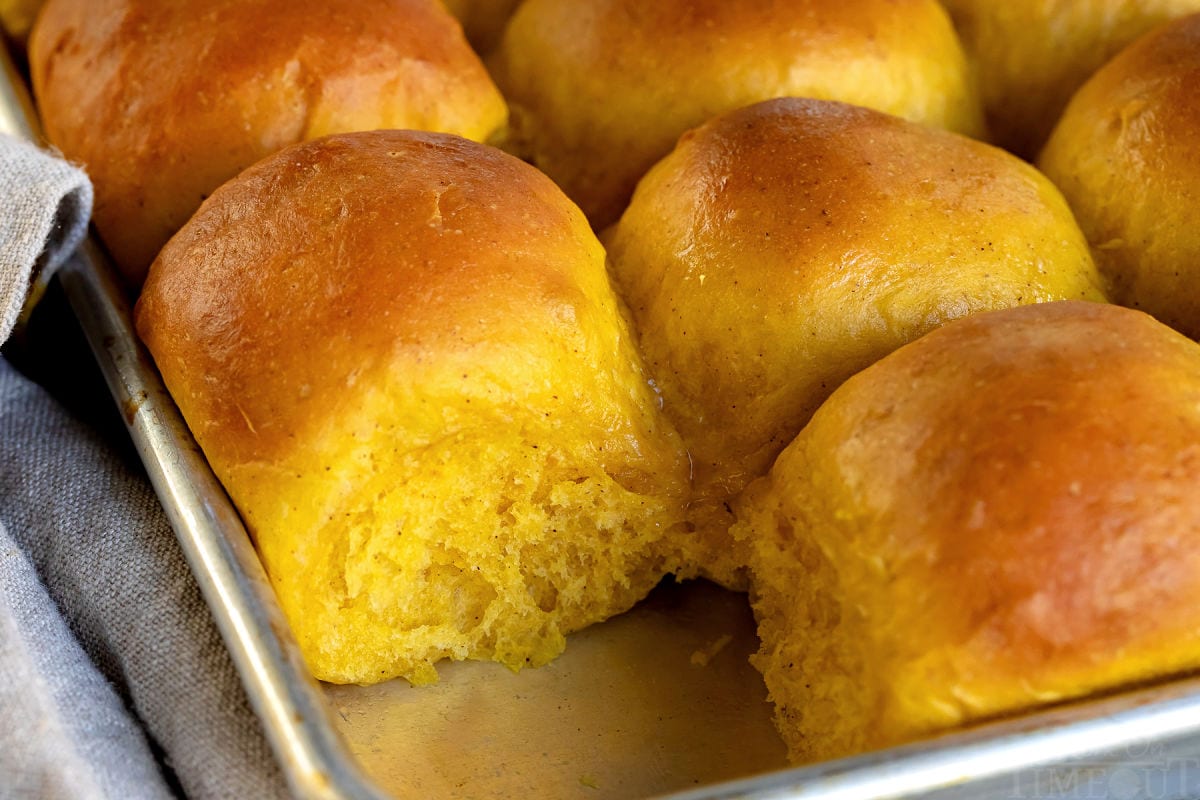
x=1031, y=55
x=1000, y=515
x=783, y=247
x=601, y=89
x=483, y=20
x=402, y=356
x=164, y=101
x=1127, y=157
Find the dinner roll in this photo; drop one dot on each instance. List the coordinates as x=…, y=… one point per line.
x=783, y=247
x=1127, y=157
x=165, y=101
x=483, y=20
x=1000, y=515
x=401, y=355
x=1031, y=55
x=601, y=89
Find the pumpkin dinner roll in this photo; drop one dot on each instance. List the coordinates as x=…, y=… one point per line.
x=601, y=89
x=401, y=355
x=999, y=515
x=165, y=100
x=1031, y=55
x=1127, y=157
x=783, y=247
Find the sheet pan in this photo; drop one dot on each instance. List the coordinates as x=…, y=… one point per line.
x=657, y=701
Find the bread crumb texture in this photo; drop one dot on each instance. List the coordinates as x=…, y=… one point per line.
x=1000, y=515
x=402, y=356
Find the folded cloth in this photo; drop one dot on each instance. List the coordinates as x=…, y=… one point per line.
x=114, y=682
x=61, y=724
x=43, y=217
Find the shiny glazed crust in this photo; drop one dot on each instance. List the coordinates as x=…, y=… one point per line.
x=601, y=89
x=1031, y=55
x=401, y=354
x=1000, y=515
x=783, y=247
x=164, y=101
x=1127, y=157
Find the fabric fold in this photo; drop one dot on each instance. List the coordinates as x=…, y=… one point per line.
x=45, y=204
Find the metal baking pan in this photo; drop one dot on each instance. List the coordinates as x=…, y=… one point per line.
x=656, y=701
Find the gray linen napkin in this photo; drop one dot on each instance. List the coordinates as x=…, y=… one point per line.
x=114, y=682
x=44, y=208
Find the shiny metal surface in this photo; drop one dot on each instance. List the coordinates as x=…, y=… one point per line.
x=17, y=116
x=215, y=544
x=1137, y=745
x=656, y=701
x=659, y=699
